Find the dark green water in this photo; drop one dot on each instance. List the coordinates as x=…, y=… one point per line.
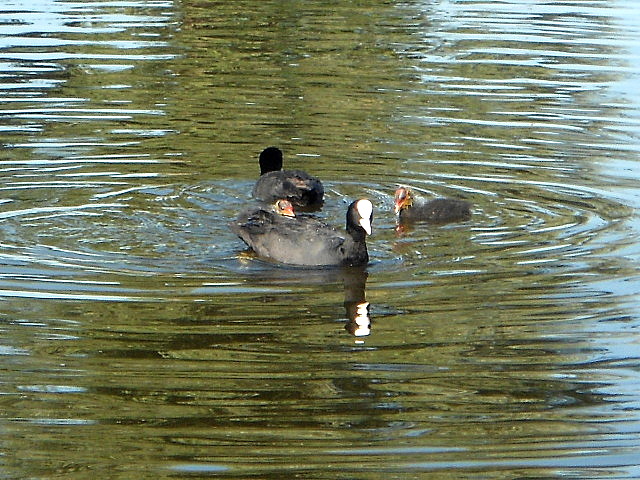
x=139, y=340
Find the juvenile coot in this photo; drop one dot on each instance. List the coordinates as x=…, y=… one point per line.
x=411, y=208
x=297, y=186
x=305, y=240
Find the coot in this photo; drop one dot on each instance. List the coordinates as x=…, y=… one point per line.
x=411, y=208
x=297, y=186
x=305, y=240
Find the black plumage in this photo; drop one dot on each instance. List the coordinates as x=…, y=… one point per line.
x=306, y=240
x=411, y=208
x=297, y=186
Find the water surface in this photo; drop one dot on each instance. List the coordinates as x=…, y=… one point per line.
x=141, y=340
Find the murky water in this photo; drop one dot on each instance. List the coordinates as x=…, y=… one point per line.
x=140, y=340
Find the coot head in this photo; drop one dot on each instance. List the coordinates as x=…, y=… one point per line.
x=270, y=160
x=403, y=199
x=284, y=207
x=360, y=216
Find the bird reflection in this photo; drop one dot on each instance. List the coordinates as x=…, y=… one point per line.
x=359, y=324
x=355, y=304
x=354, y=280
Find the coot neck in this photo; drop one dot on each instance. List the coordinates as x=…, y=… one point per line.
x=359, y=246
x=356, y=232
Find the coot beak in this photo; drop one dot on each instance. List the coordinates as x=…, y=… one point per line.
x=366, y=224
x=287, y=211
x=400, y=200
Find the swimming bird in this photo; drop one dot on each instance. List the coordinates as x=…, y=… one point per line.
x=300, y=188
x=410, y=208
x=305, y=240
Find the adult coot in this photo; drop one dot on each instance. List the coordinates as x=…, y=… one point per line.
x=305, y=240
x=297, y=186
x=410, y=208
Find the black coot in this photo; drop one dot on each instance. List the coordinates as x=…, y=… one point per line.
x=300, y=188
x=305, y=240
x=410, y=208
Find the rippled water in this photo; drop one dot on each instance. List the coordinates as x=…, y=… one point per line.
x=140, y=339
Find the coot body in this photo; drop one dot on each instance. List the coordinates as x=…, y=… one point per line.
x=411, y=209
x=300, y=188
x=305, y=240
